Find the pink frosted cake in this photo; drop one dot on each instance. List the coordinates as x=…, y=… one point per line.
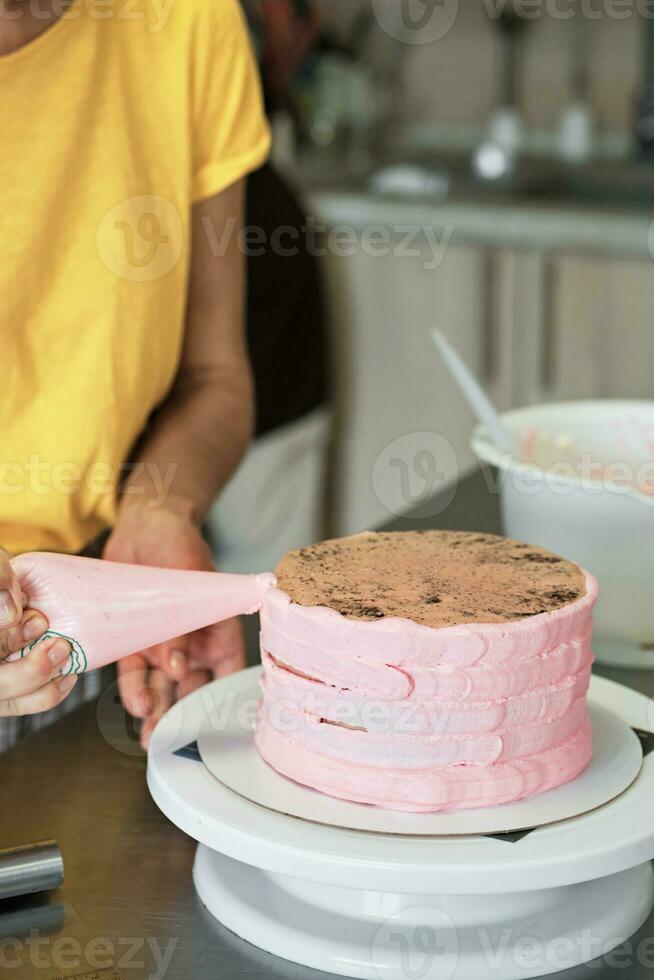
x=427, y=671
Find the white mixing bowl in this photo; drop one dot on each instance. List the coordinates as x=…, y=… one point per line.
x=580, y=481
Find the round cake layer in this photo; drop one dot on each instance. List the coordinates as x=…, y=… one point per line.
x=417, y=715
x=401, y=678
x=404, y=670
x=407, y=644
x=435, y=578
x=402, y=750
x=426, y=791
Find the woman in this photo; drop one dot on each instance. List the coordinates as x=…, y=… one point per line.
x=127, y=400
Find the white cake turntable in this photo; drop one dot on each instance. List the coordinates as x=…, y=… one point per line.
x=506, y=893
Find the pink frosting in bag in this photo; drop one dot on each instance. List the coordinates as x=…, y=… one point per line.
x=109, y=610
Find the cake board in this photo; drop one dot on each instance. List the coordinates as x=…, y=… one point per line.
x=226, y=747
x=391, y=905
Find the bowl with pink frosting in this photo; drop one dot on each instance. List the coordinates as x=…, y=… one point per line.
x=579, y=480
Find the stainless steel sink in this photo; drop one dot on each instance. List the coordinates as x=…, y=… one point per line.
x=538, y=182
x=603, y=184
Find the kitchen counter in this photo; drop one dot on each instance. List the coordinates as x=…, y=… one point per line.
x=602, y=208
x=128, y=908
x=601, y=231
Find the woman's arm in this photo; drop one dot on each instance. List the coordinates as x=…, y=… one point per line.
x=192, y=448
x=197, y=438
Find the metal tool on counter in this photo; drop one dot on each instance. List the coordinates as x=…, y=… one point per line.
x=30, y=868
x=24, y=918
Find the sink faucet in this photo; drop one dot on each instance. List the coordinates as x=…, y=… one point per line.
x=496, y=156
x=389, y=71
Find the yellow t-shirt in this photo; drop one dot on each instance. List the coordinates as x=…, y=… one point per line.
x=112, y=123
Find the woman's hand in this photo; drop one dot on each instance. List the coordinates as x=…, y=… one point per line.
x=151, y=681
x=193, y=444
x=30, y=685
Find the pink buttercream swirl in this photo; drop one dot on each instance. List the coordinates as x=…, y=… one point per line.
x=409, y=717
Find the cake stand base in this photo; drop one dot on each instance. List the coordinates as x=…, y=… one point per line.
x=467, y=907
x=392, y=936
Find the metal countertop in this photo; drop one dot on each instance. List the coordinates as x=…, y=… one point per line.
x=128, y=908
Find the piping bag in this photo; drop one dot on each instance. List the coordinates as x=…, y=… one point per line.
x=108, y=610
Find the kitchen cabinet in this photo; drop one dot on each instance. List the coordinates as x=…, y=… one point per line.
x=402, y=427
x=589, y=325
x=535, y=325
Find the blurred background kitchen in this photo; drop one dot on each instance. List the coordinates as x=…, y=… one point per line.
x=483, y=167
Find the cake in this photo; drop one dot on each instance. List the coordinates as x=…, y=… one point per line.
x=427, y=670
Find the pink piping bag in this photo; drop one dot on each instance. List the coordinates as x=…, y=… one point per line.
x=107, y=610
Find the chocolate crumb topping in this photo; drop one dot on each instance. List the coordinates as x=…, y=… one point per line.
x=436, y=578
